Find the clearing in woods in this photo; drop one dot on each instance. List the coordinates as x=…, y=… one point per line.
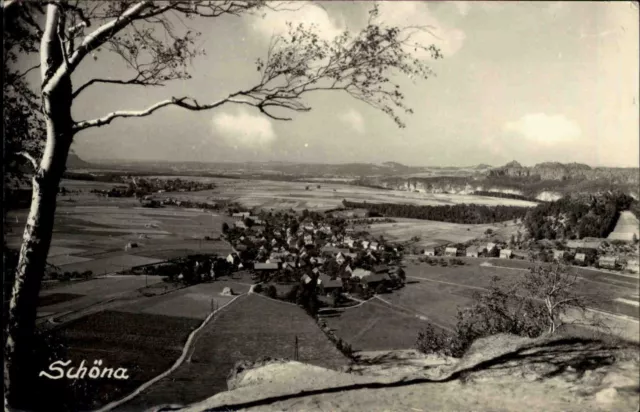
x=626, y=227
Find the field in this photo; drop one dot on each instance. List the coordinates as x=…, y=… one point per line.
x=293, y=195
x=374, y=326
x=144, y=344
x=626, y=227
x=248, y=329
x=91, y=232
x=434, y=294
x=432, y=233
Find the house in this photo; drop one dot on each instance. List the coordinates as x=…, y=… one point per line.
x=361, y=273
x=473, y=251
x=316, y=271
x=348, y=270
x=365, y=244
x=259, y=229
x=277, y=261
x=239, y=224
x=506, y=254
x=451, y=251
x=241, y=248
x=349, y=230
x=288, y=266
x=608, y=262
x=265, y=266
x=430, y=252
x=349, y=241
x=241, y=215
x=580, y=257
x=375, y=279
x=381, y=269
x=558, y=254
x=274, y=242
x=306, y=279
x=374, y=245
x=340, y=259
x=233, y=258
x=592, y=244
x=330, y=249
x=328, y=285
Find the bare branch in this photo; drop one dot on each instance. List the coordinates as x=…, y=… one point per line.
x=134, y=81
x=180, y=102
x=37, y=66
x=31, y=159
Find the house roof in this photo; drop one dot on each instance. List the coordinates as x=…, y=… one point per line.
x=375, y=277
x=584, y=244
x=580, y=256
x=451, y=249
x=608, y=259
x=265, y=266
x=327, y=282
x=506, y=252
x=380, y=268
x=361, y=273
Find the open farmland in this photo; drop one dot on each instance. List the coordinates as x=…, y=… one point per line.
x=293, y=195
x=626, y=227
x=144, y=344
x=374, y=325
x=248, y=329
x=432, y=233
x=434, y=294
x=91, y=232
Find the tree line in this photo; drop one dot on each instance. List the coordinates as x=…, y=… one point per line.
x=462, y=213
x=577, y=217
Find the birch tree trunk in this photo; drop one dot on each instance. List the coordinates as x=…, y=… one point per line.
x=21, y=325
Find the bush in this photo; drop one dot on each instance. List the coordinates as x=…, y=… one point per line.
x=271, y=291
x=431, y=340
x=258, y=288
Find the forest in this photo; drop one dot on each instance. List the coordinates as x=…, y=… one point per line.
x=577, y=217
x=462, y=213
x=504, y=195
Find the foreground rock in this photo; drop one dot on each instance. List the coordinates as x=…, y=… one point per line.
x=502, y=372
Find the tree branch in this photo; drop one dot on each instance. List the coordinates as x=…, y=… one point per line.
x=27, y=71
x=30, y=158
x=133, y=81
x=180, y=102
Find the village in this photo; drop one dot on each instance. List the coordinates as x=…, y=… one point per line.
x=313, y=249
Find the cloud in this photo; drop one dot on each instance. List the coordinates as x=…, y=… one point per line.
x=462, y=7
x=413, y=13
x=274, y=22
x=354, y=119
x=244, y=129
x=545, y=129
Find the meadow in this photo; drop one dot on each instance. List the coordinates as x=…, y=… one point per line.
x=250, y=328
x=432, y=233
x=322, y=196
x=626, y=227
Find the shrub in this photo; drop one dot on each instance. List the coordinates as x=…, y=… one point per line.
x=258, y=288
x=271, y=291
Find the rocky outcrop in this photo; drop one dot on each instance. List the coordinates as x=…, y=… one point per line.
x=567, y=171
x=502, y=372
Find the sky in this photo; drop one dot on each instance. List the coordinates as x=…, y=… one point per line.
x=525, y=81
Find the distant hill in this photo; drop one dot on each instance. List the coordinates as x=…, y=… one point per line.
x=567, y=171
x=74, y=162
